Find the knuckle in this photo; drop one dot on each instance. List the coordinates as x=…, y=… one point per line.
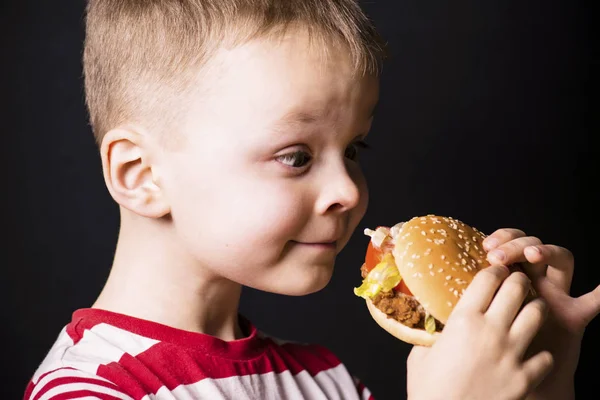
x=519, y=278
x=568, y=254
x=537, y=309
x=533, y=240
x=494, y=272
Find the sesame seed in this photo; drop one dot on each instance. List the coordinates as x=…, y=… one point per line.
x=431, y=273
x=448, y=277
x=449, y=304
x=439, y=241
x=455, y=293
x=430, y=266
x=411, y=265
x=443, y=257
x=466, y=270
x=427, y=252
x=460, y=236
x=445, y=283
x=441, y=270
x=463, y=262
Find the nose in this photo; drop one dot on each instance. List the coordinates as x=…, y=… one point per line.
x=340, y=191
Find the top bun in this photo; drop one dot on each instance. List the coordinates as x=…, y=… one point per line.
x=437, y=258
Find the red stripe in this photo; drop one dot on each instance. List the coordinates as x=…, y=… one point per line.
x=81, y=393
x=313, y=358
x=71, y=330
x=146, y=373
x=132, y=376
x=72, y=379
x=54, y=370
x=28, y=390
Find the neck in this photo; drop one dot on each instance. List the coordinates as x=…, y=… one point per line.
x=154, y=279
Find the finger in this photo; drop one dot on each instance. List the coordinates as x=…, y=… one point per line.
x=479, y=293
x=501, y=236
x=509, y=300
x=560, y=261
x=527, y=324
x=537, y=368
x=589, y=305
x=512, y=251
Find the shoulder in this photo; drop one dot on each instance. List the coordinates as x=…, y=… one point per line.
x=70, y=383
x=72, y=366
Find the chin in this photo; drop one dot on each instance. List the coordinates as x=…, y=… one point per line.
x=301, y=283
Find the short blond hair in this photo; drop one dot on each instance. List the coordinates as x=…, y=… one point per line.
x=140, y=56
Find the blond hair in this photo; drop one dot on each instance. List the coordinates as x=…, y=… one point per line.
x=140, y=56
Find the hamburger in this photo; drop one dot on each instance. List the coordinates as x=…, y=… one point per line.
x=416, y=271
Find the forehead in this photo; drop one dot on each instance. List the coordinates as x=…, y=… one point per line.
x=286, y=78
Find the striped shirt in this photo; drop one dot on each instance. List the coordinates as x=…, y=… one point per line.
x=106, y=355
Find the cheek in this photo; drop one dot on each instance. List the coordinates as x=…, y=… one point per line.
x=228, y=218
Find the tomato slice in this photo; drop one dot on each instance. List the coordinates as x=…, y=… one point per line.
x=374, y=257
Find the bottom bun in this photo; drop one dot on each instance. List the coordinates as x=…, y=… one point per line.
x=397, y=329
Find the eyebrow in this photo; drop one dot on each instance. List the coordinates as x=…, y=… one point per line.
x=308, y=118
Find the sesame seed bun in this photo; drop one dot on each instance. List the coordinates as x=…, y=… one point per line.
x=437, y=258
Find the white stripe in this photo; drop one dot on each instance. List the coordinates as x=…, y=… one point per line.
x=62, y=373
x=366, y=394
x=53, y=359
x=332, y=384
x=73, y=387
x=128, y=342
x=102, y=344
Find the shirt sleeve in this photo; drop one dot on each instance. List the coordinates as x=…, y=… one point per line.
x=363, y=392
x=69, y=383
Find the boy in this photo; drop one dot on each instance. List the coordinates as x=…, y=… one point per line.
x=229, y=133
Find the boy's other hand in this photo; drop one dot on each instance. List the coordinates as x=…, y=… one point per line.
x=481, y=352
x=551, y=270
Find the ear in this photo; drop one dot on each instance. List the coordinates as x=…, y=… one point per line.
x=127, y=169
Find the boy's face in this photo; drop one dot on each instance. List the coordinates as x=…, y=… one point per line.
x=266, y=187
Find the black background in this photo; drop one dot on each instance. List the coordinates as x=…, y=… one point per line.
x=487, y=114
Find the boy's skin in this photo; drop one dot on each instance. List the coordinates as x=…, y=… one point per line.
x=218, y=203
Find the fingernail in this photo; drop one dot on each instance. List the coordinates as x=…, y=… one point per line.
x=490, y=243
x=498, y=255
x=533, y=249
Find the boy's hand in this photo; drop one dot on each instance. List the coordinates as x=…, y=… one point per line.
x=480, y=354
x=551, y=271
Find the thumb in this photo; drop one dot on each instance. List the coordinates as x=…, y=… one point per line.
x=589, y=304
x=417, y=354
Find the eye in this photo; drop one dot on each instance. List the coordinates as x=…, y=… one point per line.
x=352, y=151
x=296, y=159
